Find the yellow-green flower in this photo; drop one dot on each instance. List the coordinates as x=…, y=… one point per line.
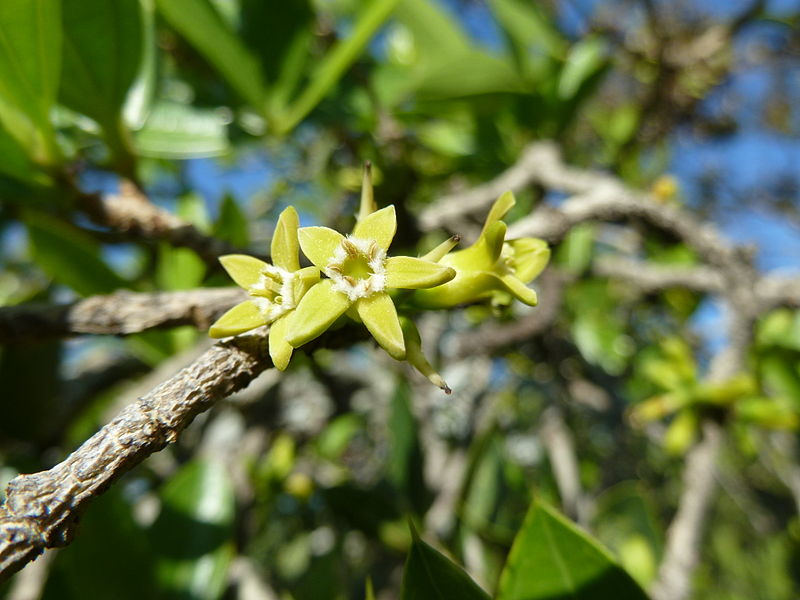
x=359, y=276
x=492, y=268
x=275, y=289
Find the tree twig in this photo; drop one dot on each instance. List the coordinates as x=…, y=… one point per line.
x=120, y=313
x=131, y=213
x=41, y=508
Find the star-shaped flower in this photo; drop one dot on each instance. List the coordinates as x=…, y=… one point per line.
x=275, y=289
x=492, y=268
x=359, y=277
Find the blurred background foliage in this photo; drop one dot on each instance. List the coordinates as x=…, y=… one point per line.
x=226, y=111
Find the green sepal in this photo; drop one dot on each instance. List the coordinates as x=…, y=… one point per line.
x=531, y=256
x=416, y=358
x=279, y=349
x=379, y=226
x=317, y=311
x=244, y=270
x=405, y=272
x=242, y=317
x=380, y=317
x=319, y=244
x=285, y=247
x=501, y=206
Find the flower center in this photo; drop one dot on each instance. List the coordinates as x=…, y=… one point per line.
x=357, y=268
x=273, y=293
x=507, y=264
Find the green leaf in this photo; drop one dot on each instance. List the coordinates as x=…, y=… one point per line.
x=30, y=63
x=284, y=54
x=30, y=371
x=125, y=573
x=204, y=28
x=532, y=32
x=336, y=437
x=175, y=130
x=15, y=161
x=472, y=73
x=334, y=64
x=193, y=535
x=232, y=224
x=404, y=465
x=575, y=252
x=102, y=49
x=429, y=575
x=552, y=558
x=626, y=520
x=585, y=58
x=437, y=36
x=69, y=256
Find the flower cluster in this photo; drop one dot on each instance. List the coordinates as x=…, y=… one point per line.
x=353, y=275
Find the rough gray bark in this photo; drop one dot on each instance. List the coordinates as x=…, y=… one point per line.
x=120, y=313
x=41, y=508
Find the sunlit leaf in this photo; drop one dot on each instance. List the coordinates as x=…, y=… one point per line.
x=30, y=65
x=69, y=256
x=175, y=130
x=102, y=47
x=429, y=575
x=126, y=573
x=199, y=22
x=194, y=532
x=553, y=558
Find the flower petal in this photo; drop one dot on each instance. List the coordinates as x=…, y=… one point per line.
x=244, y=270
x=379, y=226
x=319, y=244
x=442, y=249
x=416, y=358
x=284, y=247
x=242, y=317
x=467, y=287
x=530, y=258
x=367, y=206
x=303, y=280
x=494, y=236
x=413, y=273
x=279, y=349
x=499, y=209
x=380, y=316
x=317, y=311
x=519, y=290
x=483, y=254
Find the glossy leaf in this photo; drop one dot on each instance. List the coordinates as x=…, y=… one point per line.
x=429, y=575
x=627, y=521
x=102, y=50
x=30, y=66
x=194, y=532
x=584, y=59
x=404, y=465
x=201, y=25
x=232, y=224
x=175, y=130
x=334, y=64
x=552, y=558
x=69, y=256
x=125, y=574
